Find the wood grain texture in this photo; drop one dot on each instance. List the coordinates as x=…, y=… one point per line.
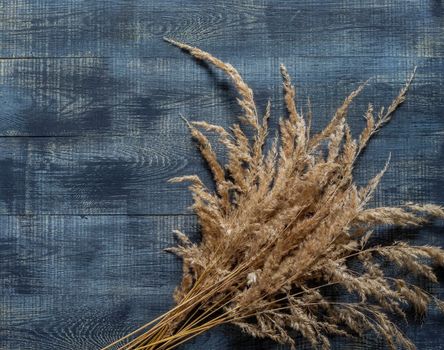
x=144, y=96
x=128, y=175
x=77, y=282
x=36, y=28
x=89, y=134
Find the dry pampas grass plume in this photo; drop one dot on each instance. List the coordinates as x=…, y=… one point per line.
x=284, y=226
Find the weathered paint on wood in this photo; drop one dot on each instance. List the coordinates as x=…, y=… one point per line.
x=77, y=282
x=128, y=175
x=144, y=96
x=251, y=28
x=89, y=133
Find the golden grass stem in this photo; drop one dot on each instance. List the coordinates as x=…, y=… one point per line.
x=282, y=225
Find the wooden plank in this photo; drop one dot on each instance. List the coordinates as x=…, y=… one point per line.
x=266, y=28
x=62, y=277
x=115, y=96
x=71, y=282
x=44, y=254
x=128, y=175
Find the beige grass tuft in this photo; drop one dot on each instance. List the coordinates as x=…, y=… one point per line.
x=283, y=226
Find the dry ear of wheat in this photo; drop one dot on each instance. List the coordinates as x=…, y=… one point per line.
x=283, y=226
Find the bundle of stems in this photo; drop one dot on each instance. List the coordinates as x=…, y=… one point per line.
x=284, y=227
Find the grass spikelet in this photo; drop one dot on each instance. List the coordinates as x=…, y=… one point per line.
x=282, y=228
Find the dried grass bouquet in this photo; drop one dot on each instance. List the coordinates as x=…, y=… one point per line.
x=286, y=225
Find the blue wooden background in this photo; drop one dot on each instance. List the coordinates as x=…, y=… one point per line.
x=89, y=133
